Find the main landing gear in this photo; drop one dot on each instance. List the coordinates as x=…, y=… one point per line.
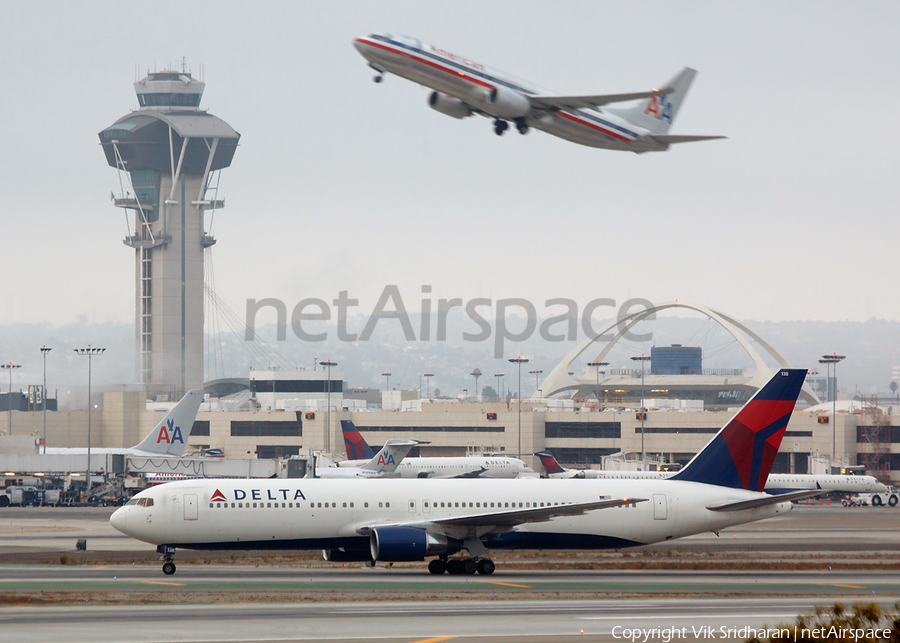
x=465, y=566
x=501, y=126
x=168, y=555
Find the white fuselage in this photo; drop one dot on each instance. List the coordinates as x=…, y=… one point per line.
x=314, y=514
x=470, y=82
x=775, y=483
x=434, y=467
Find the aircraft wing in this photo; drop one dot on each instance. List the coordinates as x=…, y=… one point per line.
x=431, y=475
x=587, y=102
x=676, y=138
x=767, y=500
x=511, y=517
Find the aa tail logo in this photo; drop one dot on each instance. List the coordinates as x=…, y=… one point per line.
x=218, y=496
x=385, y=461
x=169, y=433
x=660, y=108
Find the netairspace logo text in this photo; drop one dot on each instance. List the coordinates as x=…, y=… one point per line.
x=492, y=319
x=668, y=634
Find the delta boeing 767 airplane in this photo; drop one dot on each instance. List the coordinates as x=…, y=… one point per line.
x=463, y=87
x=410, y=520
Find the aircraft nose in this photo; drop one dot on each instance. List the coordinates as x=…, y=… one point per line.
x=360, y=46
x=119, y=519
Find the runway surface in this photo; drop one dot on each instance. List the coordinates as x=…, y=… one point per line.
x=327, y=583
x=466, y=622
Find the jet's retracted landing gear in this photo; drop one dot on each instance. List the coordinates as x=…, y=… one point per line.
x=168, y=555
x=467, y=566
x=381, y=71
x=522, y=126
x=500, y=127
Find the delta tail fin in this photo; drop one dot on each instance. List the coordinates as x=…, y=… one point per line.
x=548, y=460
x=657, y=113
x=171, y=435
x=355, y=443
x=741, y=455
x=391, y=455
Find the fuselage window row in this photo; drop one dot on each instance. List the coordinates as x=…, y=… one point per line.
x=426, y=504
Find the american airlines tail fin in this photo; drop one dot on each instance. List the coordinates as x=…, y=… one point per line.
x=657, y=113
x=548, y=460
x=743, y=452
x=390, y=456
x=355, y=443
x=171, y=435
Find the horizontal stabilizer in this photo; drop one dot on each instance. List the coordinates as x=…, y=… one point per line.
x=765, y=501
x=587, y=102
x=675, y=138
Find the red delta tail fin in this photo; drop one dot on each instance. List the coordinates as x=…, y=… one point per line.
x=743, y=452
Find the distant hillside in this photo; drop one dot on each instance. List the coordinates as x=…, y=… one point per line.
x=872, y=349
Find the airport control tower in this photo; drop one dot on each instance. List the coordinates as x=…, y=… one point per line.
x=169, y=154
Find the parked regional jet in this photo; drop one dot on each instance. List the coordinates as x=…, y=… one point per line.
x=463, y=87
x=776, y=483
x=409, y=520
x=168, y=438
x=458, y=467
x=381, y=465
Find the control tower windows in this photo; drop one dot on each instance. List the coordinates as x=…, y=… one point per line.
x=166, y=100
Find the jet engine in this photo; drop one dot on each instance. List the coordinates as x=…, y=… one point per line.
x=342, y=555
x=506, y=103
x=448, y=105
x=396, y=544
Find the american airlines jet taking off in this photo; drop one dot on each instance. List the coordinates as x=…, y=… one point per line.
x=463, y=87
x=409, y=520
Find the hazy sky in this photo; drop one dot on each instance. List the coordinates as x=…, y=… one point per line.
x=342, y=184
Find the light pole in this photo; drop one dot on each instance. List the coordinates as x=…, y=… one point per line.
x=44, y=351
x=428, y=377
x=387, y=376
x=642, y=358
x=597, y=365
x=499, y=394
x=328, y=364
x=830, y=360
x=10, y=367
x=518, y=361
x=90, y=352
x=536, y=372
x=476, y=374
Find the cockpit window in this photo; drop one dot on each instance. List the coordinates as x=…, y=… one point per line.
x=141, y=502
x=133, y=501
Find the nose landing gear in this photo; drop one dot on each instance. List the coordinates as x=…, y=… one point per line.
x=168, y=555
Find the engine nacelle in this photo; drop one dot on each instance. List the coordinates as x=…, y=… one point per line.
x=448, y=105
x=506, y=103
x=397, y=544
x=346, y=555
